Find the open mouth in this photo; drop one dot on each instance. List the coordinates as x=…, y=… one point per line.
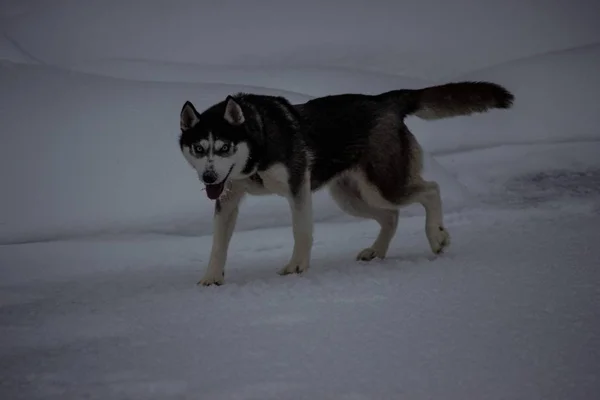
x=214, y=191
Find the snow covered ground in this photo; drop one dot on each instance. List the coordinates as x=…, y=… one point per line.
x=104, y=230
x=511, y=311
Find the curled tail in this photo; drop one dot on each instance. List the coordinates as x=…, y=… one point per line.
x=455, y=99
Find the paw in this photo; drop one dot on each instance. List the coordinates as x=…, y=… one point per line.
x=293, y=268
x=439, y=239
x=212, y=278
x=368, y=254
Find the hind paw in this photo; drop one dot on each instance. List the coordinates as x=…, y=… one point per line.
x=439, y=238
x=369, y=254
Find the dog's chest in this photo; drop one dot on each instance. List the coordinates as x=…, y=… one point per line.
x=275, y=180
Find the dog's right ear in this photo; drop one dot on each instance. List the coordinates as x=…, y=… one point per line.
x=188, y=117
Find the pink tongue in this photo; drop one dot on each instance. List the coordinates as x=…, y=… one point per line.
x=214, y=191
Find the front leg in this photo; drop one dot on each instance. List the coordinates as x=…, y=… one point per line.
x=225, y=217
x=302, y=225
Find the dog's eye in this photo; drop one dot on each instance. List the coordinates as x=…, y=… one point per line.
x=224, y=148
x=198, y=149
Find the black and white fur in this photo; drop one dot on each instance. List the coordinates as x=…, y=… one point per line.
x=357, y=145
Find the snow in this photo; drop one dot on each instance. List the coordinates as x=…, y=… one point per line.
x=104, y=229
x=417, y=38
x=510, y=312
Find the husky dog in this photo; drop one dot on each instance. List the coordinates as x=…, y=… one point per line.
x=357, y=145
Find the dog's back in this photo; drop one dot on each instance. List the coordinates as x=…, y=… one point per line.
x=368, y=131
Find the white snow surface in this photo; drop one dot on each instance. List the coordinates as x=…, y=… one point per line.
x=104, y=229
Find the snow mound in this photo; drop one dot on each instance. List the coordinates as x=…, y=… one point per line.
x=555, y=101
x=99, y=155
x=404, y=38
x=314, y=81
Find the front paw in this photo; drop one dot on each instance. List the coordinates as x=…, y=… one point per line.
x=212, y=278
x=294, y=268
x=369, y=254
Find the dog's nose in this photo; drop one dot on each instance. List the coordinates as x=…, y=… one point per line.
x=209, y=177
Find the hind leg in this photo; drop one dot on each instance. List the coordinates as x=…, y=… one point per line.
x=427, y=193
x=388, y=221
x=346, y=195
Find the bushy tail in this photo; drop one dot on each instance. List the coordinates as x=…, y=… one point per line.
x=459, y=98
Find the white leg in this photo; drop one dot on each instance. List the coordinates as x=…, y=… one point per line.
x=437, y=235
x=347, y=196
x=226, y=212
x=420, y=191
x=388, y=221
x=302, y=225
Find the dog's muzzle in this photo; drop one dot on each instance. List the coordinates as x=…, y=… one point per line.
x=214, y=190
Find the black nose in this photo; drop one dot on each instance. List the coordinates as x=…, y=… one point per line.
x=209, y=177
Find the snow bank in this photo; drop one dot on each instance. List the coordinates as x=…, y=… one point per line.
x=418, y=38
x=312, y=81
x=88, y=154
x=555, y=101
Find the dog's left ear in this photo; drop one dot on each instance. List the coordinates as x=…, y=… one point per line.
x=233, y=112
x=188, y=117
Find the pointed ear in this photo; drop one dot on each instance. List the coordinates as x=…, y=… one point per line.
x=189, y=116
x=233, y=112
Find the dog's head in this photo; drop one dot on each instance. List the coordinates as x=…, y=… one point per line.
x=217, y=143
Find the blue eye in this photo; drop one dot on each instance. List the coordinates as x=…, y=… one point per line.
x=224, y=148
x=198, y=149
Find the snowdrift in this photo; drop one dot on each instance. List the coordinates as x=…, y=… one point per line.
x=429, y=39
x=555, y=102
x=88, y=154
